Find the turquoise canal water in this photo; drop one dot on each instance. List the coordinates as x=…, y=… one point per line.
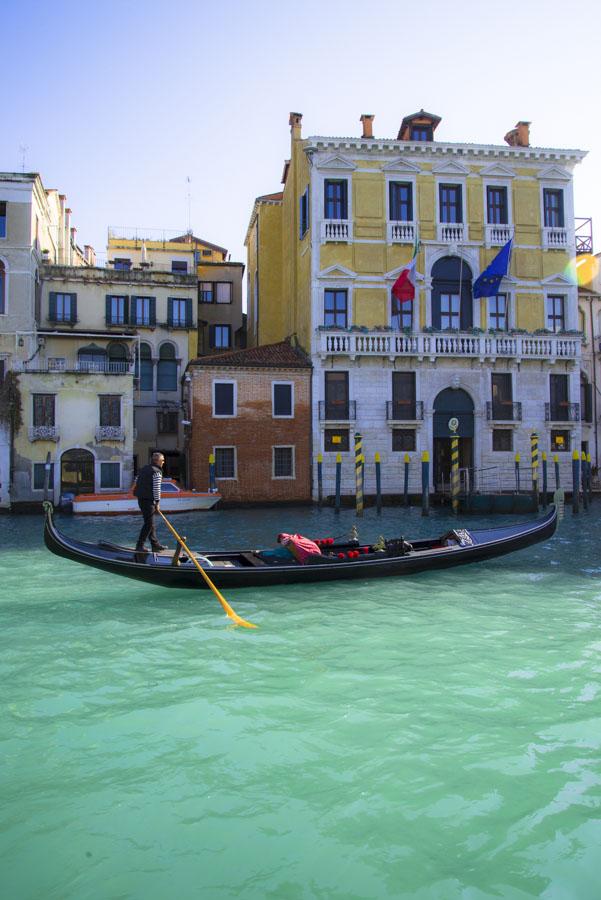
x=428, y=737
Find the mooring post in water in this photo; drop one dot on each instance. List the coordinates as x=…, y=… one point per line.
x=545, y=485
x=338, y=481
x=575, y=481
x=589, y=477
x=319, y=479
x=406, y=481
x=358, y=474
x=425, y=483
x=557, y=477
x=212, y=486
x=455, y=473
x=584, y=479
x=378, y=484
x=517, y=472
x=534, y=462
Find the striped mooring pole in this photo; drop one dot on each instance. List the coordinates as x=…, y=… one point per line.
x=583, y=475
x=575, y=481
x=212, y=486
x=455, y=473
x=359, y=474
x=378, y=484
x=338, y=481
x=534, y=461
x=517, y=472
x=545, y=483
x=406, y=481
x=557, y=476
x=589, y=477
x=319, y=479
x=425, y=483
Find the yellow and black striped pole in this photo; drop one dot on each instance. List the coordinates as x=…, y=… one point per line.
x=455, y=473
x=359, y=473
x=583, y=480
x=589, y=478
x=534, y=460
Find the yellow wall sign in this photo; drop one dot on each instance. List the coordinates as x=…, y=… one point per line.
x=559, y=440
x=336, y=439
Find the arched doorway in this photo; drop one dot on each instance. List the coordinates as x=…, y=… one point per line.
x=77, y=472
x=452, y=303
x=452, y=403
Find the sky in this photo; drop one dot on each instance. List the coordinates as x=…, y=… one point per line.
x=118, y=103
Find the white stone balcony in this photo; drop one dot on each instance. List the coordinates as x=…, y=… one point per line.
x=44, y=433
x=337, y=230
x=400, y=232
x=437, y=345
x=110, y=433
x=498, y=235
x=451, y=233
x=555, y=238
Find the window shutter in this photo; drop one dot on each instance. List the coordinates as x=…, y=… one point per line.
x=153, y=311
x=108, y=309
x=52, y=306
x=170, y=311
x=344, y=199
x=211, y=336
x=133, y=316
x=125, y=310
x=188, y=313
x=73, y=308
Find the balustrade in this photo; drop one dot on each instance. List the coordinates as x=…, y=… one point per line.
x=336, y=230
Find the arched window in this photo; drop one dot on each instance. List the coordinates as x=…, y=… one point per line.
x=167, y=368
x=452, y=294
x=144, y=368
x=92, y=359
x=2, y=288
x=117, y=354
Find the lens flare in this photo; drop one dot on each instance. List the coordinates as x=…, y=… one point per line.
x=583, y=269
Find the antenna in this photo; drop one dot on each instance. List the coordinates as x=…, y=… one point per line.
x=189, y=201
x=23, y=148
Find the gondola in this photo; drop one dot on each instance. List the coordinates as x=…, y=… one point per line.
x=257, y=568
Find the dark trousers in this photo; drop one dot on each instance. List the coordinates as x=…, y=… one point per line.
x=148, y=529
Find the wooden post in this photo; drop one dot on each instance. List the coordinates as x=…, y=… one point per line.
x=338, y=480
x=425, y=483
x=378, y=485
x=534, y=461
x=517, y=472
x=406, y=481
x=589, y=478
x=545, y=484
x=455, y=473
x=575, y=481
x=557, y=477
x=583, y=478
x=319, y=479
x=358, y=474
x=212, y=483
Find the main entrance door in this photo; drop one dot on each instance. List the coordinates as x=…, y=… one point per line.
x=77, y=472
x=452, y=404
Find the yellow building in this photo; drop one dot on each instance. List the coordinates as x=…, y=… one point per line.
x=324, y=254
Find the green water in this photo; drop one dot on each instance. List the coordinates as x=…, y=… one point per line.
x=429, y=737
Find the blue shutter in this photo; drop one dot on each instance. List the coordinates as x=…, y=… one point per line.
x=52, y=306
x=108, y=309
x=153, y=311
x=189, y=319
x=73, y=318
x=170, y=311
x=125, y=310
x=133, y=319
x=211, y=336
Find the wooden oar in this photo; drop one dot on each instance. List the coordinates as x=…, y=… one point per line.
x=228, y=609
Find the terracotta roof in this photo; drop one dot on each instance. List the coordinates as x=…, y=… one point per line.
x=279, y=195
x=269, y=356
x=192, y=239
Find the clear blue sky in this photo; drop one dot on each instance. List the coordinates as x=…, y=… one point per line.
x=118, y=102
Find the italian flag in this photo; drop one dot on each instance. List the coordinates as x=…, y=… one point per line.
x=404, y=287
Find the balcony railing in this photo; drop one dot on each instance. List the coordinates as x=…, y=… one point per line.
x=497, y=235
x=400, y=232
x=336, y=230
x=404, y=412
x=110, y=433
x=555, y=238
x=337, y=412
x=88, y=367
x=44, y=433
x=504, y=411
x=562, y=412
x=452, y=233
x=441, y=344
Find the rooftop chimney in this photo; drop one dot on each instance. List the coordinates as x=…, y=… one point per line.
x=368, y=124
x=295, y=122
x=519, y=136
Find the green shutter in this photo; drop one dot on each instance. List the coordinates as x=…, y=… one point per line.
x=189, y=313
x=74, y=308
x=153, y=311
x=108, y=309
x=132, y=312
x=170, y=311
x=52, y=306
x=125, y=310
x=211, y=336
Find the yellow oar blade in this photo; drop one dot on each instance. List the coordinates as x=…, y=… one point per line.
x=227, y=608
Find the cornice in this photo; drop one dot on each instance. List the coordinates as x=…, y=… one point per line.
x=434, y=150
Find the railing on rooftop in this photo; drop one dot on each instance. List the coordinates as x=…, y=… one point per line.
x=135, y=233
x=583, y=231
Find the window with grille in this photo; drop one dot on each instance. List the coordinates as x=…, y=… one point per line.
x=39, y=476
x=167, y=422
x=403, y=440
x=43, y=410
x=502, y=439
x=283, y=462
x=110, y=475
x=225, y=462
x=110, y=410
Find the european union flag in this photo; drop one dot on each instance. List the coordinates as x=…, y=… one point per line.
x=487, y=284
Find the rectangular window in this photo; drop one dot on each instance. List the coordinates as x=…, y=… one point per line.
x=207, y=252
x=403, y=395
x=421, y=133
x=497, y=312
x=224, y=398
x=451, y=211
x=282, y=403
x=143, y=311
x=496, y=206
x=110, y=410
x=304, y=214
x=110, y=475
x=62, y=307
x=400, y=202
x=167, y=422
x=205, y=292
x=553, y=208
x=335, y=308
x=403, y=440
x=449, y=311
x=2, y=219
x=560, y=441
x=502, y=396
x=122, y=264
x=502, y=439
x=335, y=199
x=224, y=292
x=555, y=313
x=220, y=337
x=179, y=266
x=39, y=476
x=336, y=440
x=401, y=313
x=336, y=395
x=116, y=310
x=283, y=462
x=177, y=313
x=225, y=462
x=559, y=397
x=43, y=410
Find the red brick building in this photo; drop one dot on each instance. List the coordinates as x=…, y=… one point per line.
x=252, y=409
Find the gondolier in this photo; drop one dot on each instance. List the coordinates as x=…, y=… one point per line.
x=148, y=494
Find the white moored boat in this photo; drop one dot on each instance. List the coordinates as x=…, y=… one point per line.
x=173, y=500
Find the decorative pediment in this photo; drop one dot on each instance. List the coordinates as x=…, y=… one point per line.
x=339, y=163
x=559, y=278
x=450, y=167
x=554, y=173
x=496, y=170
x=402, y=166
x=337, y=272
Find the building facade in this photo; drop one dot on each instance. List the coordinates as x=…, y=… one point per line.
x=322, y=259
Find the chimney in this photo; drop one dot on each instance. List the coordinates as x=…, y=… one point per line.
x=73, y=236
x=368, y=124
x=519, y=136
x=295, y=122
x=89, y=255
